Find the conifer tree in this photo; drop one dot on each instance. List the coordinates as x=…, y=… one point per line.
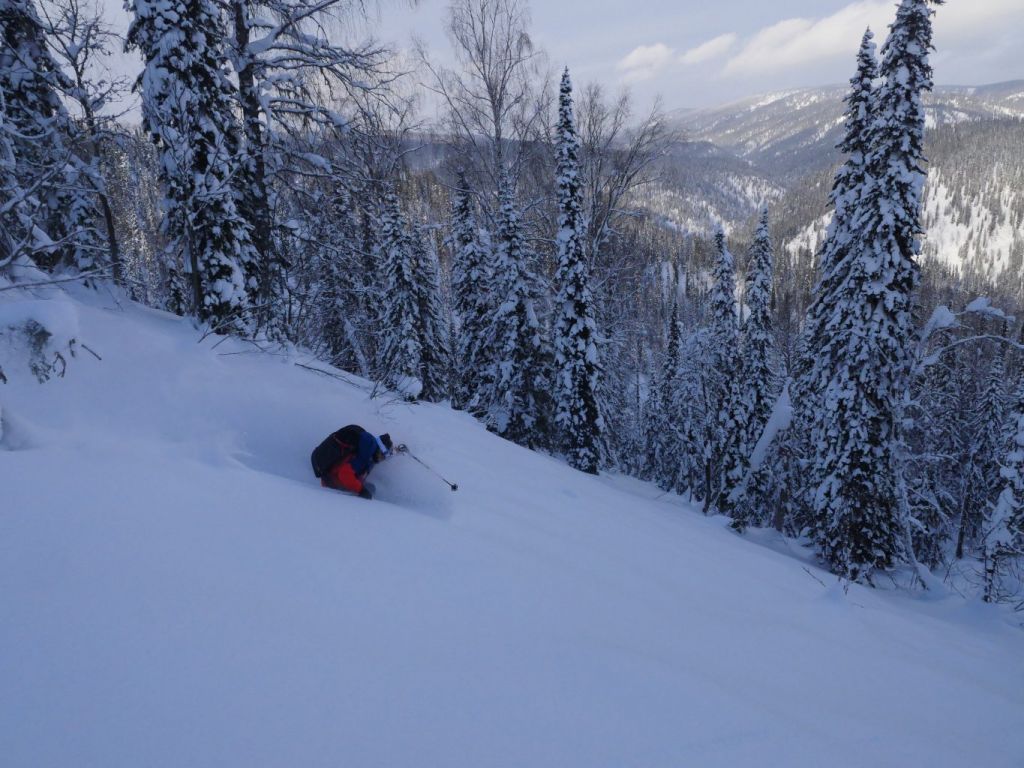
x=401, y=350
x=836, y=256
x=47, y=212
x=339, y=305
x=756, y=387
x=864, y=340
x=1004, y=534
x=435, y=356
x=721, y=357
x=188, y=108
x=578, y=413
x=664, y=446
x=471, y=279
x=514, y=393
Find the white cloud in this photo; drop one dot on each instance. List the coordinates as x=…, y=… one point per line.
x=795, y=43
x=645, y=62
x=712, y=49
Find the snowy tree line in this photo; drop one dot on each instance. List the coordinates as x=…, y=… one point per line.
x=280, y=188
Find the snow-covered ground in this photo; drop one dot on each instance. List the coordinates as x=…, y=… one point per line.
x=176, y=590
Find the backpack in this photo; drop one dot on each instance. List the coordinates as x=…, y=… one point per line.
x=337, y=447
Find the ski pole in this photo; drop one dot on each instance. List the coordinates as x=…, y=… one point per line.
x=407, y=452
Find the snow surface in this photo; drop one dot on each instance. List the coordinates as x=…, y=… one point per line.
x=177, y=590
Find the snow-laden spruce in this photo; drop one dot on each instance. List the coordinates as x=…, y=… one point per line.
x=1004, y=525
x=400, y=348
x=835, y=257
x=47, y=202
x=515, y=382
x=861, y=357
x=663, y=447
x=188, y=107
x=578, y=416
x=472, y=302
x=755, y=387
x=432, y=325
x=983, y=437
x=721, y=361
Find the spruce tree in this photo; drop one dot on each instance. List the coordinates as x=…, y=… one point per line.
x=514, y=393
x=721, y=361
x=988, y=439
x=188, y=107
x=472, y=304
x=836, y=255
x=860, y=361
x=578, y=415
x=337, y=264
x=47, y=213
x=1004, y=526
x=432, y=326
x=401, y=350
x=756, y=387
x=663, y=441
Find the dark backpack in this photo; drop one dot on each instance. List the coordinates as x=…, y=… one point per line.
x=335, y=449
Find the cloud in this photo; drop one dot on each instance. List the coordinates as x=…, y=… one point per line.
x=794, y=43
x=645, y=62
x=712, y=49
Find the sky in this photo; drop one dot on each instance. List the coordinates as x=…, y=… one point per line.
x=696, y=53
x=701, y=53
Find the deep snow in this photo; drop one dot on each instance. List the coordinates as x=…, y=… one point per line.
x=177, y=590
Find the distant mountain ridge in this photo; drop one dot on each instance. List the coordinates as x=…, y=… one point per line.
x=779, y=148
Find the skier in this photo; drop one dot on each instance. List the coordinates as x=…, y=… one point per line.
x=345, y=458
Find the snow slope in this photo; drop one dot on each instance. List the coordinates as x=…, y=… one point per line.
x=176, y=590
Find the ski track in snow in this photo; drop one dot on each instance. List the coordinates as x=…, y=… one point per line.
x=177, y=590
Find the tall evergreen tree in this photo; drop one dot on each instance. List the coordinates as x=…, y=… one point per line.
x=432, y=327
x=756, y=387
x=860, y=362
x=578, y=413
x=401, y=349
x=188, y=107
x=48, y=210
x=1004, y=534
x=836, y=255
x=337, y=264
x=721, y=362
x=663, y=442
x=988, y=440
x=471, y=281
x=514, y=393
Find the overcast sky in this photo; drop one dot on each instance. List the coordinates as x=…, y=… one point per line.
x=699, y=53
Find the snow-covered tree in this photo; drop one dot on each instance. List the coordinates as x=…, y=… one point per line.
x=401, y=350
x=473, y=304
x=337, y=317
x=432, y=326
x=1004, y=527
x=515, y=389
x=578, y=416
x=47, y=212
x=721, y=361
x=836, y=256
x=297, y=86
x=663, y=445
x=756, y=386
x=862, y=351
x=188, y=107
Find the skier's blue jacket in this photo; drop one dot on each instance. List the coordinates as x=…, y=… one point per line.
x=362, y=460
